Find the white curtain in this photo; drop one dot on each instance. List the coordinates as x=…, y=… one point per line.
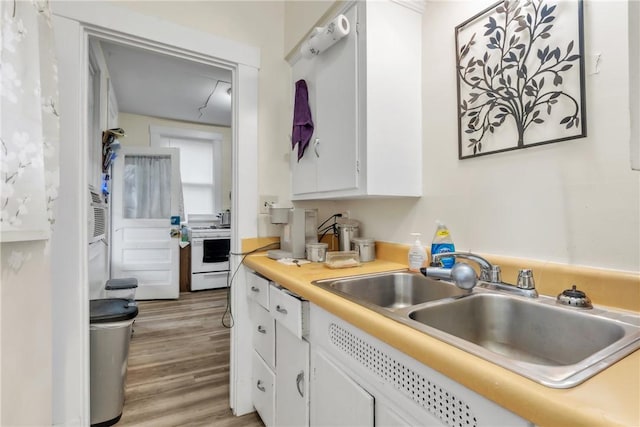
x=147, y=187
x=29, y=121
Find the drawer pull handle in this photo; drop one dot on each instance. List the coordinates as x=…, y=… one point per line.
x=254, y=289
x=261, y=329
x=281, y=309
x=300, y=379
x=260, y=386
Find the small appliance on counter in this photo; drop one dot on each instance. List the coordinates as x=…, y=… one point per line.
x=299, y=227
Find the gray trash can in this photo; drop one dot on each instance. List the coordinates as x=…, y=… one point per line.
x=124, y=287
x=110, y=333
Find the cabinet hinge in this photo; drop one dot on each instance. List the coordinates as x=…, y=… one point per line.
x=358, y=166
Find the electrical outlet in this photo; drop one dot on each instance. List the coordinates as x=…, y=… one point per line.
x=266, y=201
x=345, y=214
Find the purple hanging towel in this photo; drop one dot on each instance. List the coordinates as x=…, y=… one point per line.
x=302, y=123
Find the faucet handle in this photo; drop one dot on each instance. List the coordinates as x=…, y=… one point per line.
x=525, y=279
x=495, y=274
x=491, y=273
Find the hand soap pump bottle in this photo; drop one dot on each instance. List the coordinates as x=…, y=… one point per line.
x=442, y=243
x=417, y=254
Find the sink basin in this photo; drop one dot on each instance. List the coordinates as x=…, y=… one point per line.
x=391, y=291
x=557, y=346
x=554, y=345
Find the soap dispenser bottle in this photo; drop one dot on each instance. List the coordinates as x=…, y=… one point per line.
x=442, y=243
x=417, y=254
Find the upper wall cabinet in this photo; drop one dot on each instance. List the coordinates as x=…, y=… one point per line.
x=366, y=103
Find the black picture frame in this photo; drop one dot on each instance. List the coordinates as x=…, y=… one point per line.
x=520, y=75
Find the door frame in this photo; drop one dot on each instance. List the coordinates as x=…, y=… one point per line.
x=74, y=23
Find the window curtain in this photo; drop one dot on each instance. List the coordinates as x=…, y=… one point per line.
x=147, y=187
x=29, y=121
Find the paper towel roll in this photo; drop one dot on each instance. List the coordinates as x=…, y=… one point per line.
x=322, y=38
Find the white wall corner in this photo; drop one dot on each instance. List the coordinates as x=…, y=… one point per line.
x=634, y=81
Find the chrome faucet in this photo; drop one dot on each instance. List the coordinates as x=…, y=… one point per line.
x=490, y=275
x=463, y=275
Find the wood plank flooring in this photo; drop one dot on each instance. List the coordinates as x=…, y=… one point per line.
x=178, y=372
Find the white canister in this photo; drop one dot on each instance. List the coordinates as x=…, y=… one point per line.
x=365, y=247
x=316, y=252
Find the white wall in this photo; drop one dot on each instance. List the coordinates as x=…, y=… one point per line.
x=575, y=202
x=261, y=24
x=301, y=17
x=136, y=127
x=25, y=335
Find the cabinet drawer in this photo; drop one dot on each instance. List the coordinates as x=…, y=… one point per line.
x=264, y=328
x=258, y=289
x=263, y=390
x=290, y=310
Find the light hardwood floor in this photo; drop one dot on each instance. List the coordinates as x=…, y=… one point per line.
x=178, y=371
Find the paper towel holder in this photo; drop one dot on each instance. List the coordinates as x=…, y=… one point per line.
x=322, y=38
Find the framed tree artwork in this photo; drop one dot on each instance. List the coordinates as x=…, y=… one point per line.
x=520, y=72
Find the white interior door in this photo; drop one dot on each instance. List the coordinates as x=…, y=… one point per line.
x=146, y=194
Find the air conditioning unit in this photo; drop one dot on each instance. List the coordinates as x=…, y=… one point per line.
x=97, y=216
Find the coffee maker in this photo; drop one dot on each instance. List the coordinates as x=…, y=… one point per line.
x=299, y=227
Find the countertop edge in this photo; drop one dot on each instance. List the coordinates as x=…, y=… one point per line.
x=532, y=401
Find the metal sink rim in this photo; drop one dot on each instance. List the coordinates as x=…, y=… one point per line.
x=561, y=376
x=554, y=376
x=327, y=285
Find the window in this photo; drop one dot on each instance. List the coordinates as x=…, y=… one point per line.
x=200, y=166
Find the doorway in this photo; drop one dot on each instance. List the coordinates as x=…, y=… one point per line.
x=74, y=23
x=159, y=101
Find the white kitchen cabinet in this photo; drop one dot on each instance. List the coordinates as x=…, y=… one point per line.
x=387, y=417
x=365, y=98
x=280, y=373
x=405, y=391
x=336, y=399
x=263, y=391
x=290, y=310
x=258, y=289
x=264, y=334
x=292, y=379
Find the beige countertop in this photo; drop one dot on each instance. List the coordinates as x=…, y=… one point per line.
x=609, y=398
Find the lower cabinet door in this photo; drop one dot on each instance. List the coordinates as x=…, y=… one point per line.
x=387, y=417
x=336, y=399
x=263, y=390
x=292, y=378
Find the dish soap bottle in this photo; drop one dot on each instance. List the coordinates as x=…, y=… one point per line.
x=442, y=243
x=417, y=254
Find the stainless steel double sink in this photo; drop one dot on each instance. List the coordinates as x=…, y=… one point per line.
x=554, y=345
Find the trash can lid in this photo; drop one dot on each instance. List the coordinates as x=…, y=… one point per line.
x=111, y=310
x=122, y=283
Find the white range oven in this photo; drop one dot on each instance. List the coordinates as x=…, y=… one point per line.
x=210, y=244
